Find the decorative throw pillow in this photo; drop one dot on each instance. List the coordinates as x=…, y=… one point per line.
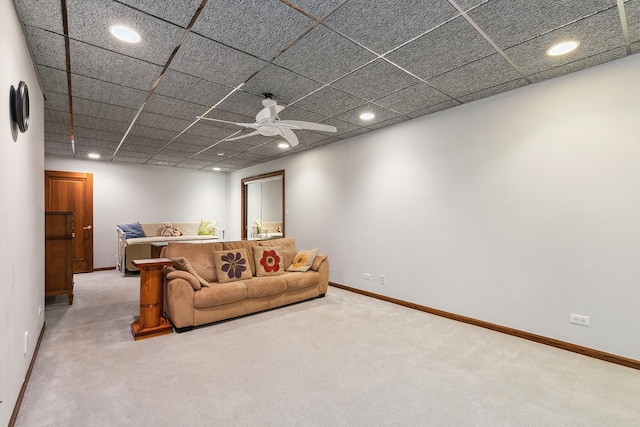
x=232, y=264
x=132, y=230
x=303, y=260
x=207, y=227
x=181, y=263
x=269, y=261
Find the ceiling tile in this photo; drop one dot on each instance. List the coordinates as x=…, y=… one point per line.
x=220, y=114
x=351, y=134
x=153, y=133
x=163, y=105
x=389, y=122
x=510, y=22
x=58, y=152
x=209, y=131
x=293, y=113
x=342, y=127
x=413, y=98
x=57, y=101
x=111, y=66
x=479, y=75
x=243, y=103
x=433, y=109
x=632, y=10
x=57, y=117
x=259, y=28
x=319, y=9
x=285, y=85
x=194, y=140
x=215, y=62
x=56, y=137
x=177, y=12
x=579, y=65
x=454, y=44
x=91, y=25
x=109, y=93
x=327, y=141
x=98, y=109
x=99, y=123
x=46, y=15
x=48, y=48
x=162, y=122
x=311, y=55
x=353, y=116
x=60, y=129
x=375, y=80
x=468, y=4
x=192, y=89
x=382, y=25
x=598, y=33
x=53, y=80
x=329, y=102
x=81, y=132
x=494, y=90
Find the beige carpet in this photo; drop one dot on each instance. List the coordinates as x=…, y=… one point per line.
x=343, y=360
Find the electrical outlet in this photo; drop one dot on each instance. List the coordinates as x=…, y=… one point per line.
x=26, y=342
x=383, y=279
x=579, y=319
x=367, y=276
x=40, y=310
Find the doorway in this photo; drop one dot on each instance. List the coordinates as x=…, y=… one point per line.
x=73, y=192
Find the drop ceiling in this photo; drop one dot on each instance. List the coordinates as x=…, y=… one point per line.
x=327, y=61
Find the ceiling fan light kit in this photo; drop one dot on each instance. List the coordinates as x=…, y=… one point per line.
x=269, y=124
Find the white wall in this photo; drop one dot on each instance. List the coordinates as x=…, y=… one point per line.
x=125, y=193
x=22, y=214
x=517, y=210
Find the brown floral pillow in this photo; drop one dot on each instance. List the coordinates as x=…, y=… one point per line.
x=269, y=260
x=232, y=264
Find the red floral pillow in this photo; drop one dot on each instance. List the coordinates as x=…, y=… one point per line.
x=269, y=260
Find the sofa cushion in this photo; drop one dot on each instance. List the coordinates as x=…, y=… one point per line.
x=288, y=245
x=301, y=280
x=219, y=294
x=207, y=227
x=246, y=245
x=268, y=260
x=265, y=286
x=199, y=255
x=303, y=260
x=132, y=230
x=232, y=264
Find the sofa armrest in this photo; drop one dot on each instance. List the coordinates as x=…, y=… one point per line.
x=220, y=229
x=321, y=265
x=178, y=302
x=122, y=243
x=180, y=274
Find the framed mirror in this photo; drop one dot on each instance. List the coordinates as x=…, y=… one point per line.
x=262, y=208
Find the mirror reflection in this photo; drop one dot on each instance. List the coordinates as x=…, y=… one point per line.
x=263, y=198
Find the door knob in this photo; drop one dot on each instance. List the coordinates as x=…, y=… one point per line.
x=88, y=227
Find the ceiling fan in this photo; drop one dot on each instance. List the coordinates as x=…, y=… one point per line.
x=269, y=124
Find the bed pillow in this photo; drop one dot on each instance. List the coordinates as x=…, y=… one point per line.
x=231, y=265
x=207, y=227
x=269, y=260
x=303, y=260
x=132, y=230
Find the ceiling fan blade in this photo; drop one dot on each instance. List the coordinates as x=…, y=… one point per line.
x=246, y=125
x=269, y=112
x=255, y=132
x=291, y=137
x=297, y=124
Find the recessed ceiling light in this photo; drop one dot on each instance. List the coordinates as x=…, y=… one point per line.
x=162, y=163
x=220, y=153
x=125, y=34
x=562, y=48
x=367, y=116
x=93, y=155
x=217, y=169
x=283, y=145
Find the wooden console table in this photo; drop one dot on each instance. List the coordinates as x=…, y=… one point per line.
x=151, y=322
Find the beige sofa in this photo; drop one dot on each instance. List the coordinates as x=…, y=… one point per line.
x=187, y=306
x=140, y=247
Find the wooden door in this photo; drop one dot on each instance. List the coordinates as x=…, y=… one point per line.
x=73, y=192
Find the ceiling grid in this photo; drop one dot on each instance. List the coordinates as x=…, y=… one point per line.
x=326, y=61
